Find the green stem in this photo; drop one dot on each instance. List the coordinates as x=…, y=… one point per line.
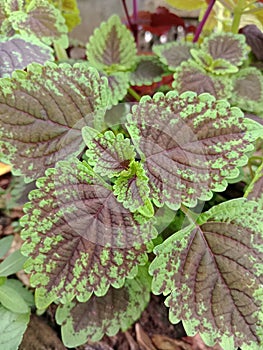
x=258, y=175
x=134, y=94
x=192, y=217
x=60, y=52
x=238, y=11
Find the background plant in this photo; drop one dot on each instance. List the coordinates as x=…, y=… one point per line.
x=95, y=229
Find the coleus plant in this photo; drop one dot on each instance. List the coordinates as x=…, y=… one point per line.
x=94, y=227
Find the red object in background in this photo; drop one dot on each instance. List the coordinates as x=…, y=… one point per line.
x=151, y=89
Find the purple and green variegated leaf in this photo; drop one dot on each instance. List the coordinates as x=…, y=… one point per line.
x=215, y=66
x=2, y=14
x=43, y=111
x=42, y=19
x=118, y=86
x=191, y=77
x=118, y=309
x=78, y=237
x=18, y=52
x=131, y=187
x=255, y=188
x=108, y=153
x=149, y=70
x=13, y=5
x=254, y=38
x=189, y=145
x=212, y=272
x=248, y=90
x=174, y=53
x=112, y=47
x=228, y=46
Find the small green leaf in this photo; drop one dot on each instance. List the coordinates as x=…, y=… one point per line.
x=108, y=153
x=112, y=48
x=21, y=290
x=131, y=187
x=12, y=328
x=213, y=274
x=12, y=264
x=118, y=309
x=5, y=244
x=12, y=300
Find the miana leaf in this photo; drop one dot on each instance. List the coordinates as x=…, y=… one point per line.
x=43, y=112
x=149, y=70
x=213, y=273
x=79, y=238
x=131, y=187
x=192, y=77
x=108, y=153
x=70, y=11
x=189, y=145
x=228, y=46
x=174, y=53
x=248, y=90
x=12, y=328
x=118, y=86
x=255, y=189
x=18, y=52
x=118, y=309
x=42, y=19
x=112, y=47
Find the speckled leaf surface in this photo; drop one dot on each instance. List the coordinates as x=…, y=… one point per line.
x=110, y=154
x=18, y=52
x=43, y=111
x=189, y=145
x=213, y=275
x=78, y=237
x=174, y=53
x=42, y=19
x=118, y=86
x=118, y=309
x=255, y=189
x=248, y=90
x=112, y=47
x=228, y=46
x=149, y=70
x=191, y=77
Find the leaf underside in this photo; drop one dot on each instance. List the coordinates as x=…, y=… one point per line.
x=18, y=52
x=43, y=112
x=80, y=239
x=189, y=145
x=191, y=77
x=112, y=45
x=214, y=274
x=118, y=309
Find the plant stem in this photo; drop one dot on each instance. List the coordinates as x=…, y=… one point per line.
x=127, y=14
x=135, y=11
x=189, y=214
x=134, y=94
x=204, y=19
x=258, y=175
x=238, y=11
x=60, y=52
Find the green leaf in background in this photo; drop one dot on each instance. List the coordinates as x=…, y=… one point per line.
x=12, y=328
x=189, y=145
x=213, y=274
x=192, y=77
x=174, y=53
x=5, y=244
x=255, y=189
x=18, y=52
x=12, y=300
x=112, y=47
x=12, y=264
x=248, y=90
x=18, y=286
x=52, y=103
x=70, y=11
x=78, y=237
x=118, y=309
